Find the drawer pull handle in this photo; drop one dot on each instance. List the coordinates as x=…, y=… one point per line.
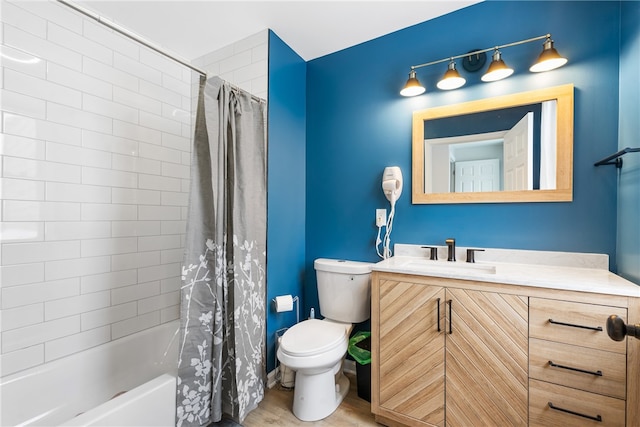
x=450, y=316
x=557, y=408
x=592, y=328
x=438, y=303
x=597, y=373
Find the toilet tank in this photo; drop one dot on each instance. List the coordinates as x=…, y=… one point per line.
x=344, y=289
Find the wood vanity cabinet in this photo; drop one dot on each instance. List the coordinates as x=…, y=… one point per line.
x=449, y=352
x=431, y=338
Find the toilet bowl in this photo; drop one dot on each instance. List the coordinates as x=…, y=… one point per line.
x=315, y=349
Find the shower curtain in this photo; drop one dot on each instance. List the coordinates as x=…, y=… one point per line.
x=221, y=366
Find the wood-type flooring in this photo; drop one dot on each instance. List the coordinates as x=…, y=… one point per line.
x=275, y=410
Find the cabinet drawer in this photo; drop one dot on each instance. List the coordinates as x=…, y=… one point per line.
x=597, y=371
x=584, y=408
x=574, y=323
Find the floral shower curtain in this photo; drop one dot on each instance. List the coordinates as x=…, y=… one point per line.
x=221, y=366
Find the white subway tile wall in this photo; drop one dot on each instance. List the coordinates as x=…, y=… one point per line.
x=95, y=153
x=94, y=179
x=243, y=63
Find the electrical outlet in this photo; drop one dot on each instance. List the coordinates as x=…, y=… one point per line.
x=381, y=217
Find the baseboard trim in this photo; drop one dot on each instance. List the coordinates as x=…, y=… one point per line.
x=272, y=377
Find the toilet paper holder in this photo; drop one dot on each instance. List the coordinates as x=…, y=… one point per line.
x=281, y=300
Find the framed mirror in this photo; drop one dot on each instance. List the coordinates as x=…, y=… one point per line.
x=511, y=148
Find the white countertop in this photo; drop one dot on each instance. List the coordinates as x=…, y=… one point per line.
x=570, y=278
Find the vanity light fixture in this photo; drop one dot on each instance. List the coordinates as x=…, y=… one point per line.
x=497, y=70
x=413, y=86
x=548, y=60
x=451, y=78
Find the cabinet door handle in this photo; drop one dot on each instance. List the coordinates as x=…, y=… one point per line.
x=450, y=302
x=557, y=408
x=592, y=328
x=555, y=365
x=438, y=303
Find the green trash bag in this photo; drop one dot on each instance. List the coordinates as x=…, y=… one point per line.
x=360, y=347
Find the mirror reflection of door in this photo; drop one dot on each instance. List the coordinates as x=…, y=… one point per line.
x=533, y=157
x=477, y=175
x=448, y=152
x=518, y=155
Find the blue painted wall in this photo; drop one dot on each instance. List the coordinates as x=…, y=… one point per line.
x=357, y=124
x=629, y=181
x=286, y=184
x=337, y=121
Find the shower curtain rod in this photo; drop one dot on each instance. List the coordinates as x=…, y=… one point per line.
x=136, y=38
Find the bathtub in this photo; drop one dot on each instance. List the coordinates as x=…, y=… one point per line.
x=87, y=388
x=150, y=404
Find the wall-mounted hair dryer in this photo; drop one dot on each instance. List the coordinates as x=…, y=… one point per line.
x=392, y=183
x=392, y=189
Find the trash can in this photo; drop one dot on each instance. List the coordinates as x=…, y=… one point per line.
x=360, y=350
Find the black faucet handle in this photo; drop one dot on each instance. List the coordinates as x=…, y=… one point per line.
x=433, y=253
x=471, y=254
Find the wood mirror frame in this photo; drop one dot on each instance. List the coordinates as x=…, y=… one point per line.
x=564, y=148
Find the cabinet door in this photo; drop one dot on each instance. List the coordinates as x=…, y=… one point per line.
x=411, y=352
x=486, y=356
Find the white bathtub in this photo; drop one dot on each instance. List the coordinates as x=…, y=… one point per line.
x=80, y=389
x=150, y=404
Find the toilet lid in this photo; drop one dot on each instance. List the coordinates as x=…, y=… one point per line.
x=312, y=336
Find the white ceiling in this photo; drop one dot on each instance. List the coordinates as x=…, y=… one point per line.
x=190, y=29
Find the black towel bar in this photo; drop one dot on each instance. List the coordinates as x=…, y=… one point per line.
x=617, y=157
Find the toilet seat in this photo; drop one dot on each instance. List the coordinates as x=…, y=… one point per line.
x=312, y=337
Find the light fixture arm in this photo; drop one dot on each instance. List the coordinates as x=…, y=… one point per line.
x=477, y=52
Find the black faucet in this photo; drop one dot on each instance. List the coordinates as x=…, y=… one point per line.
x=471, y=254
x=451, y=247
x=433, y=252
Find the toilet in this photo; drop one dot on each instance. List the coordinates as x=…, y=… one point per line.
x=315, y=349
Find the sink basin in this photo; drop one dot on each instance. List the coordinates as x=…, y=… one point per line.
x=451, y=267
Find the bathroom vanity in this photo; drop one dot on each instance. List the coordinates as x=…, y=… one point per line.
x=517, y=342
